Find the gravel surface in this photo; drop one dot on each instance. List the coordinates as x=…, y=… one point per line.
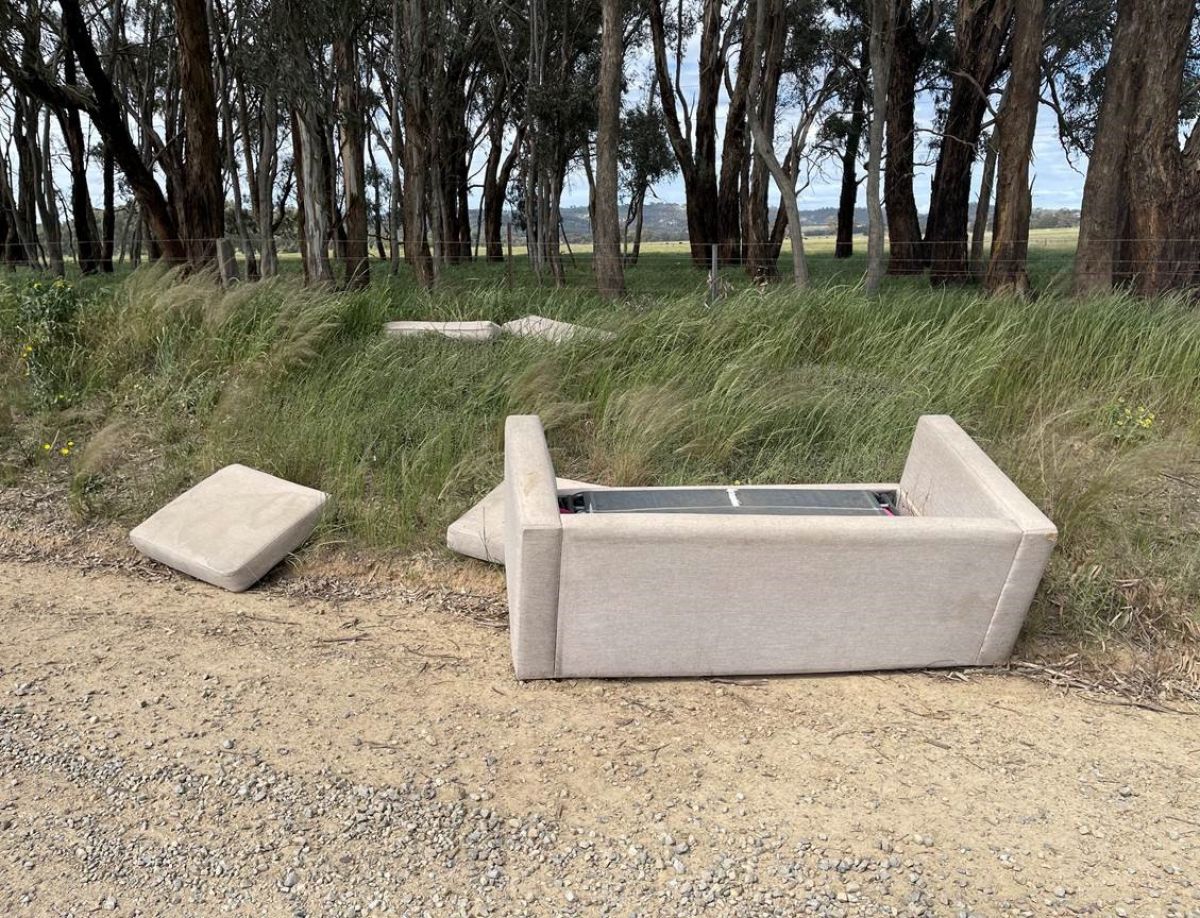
x=324, y=748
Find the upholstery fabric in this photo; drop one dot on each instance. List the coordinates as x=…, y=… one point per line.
x=709, y=594
x=479, y=533
x=232, y=527
x=946, y=583
x=532, y=546
x=948, y=475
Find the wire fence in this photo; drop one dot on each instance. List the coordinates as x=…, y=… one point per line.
x=663, y=266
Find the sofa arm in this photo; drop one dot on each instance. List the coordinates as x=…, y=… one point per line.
x=532, y=547
x=948, y=475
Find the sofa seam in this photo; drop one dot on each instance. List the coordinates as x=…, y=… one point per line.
x=1008, y=579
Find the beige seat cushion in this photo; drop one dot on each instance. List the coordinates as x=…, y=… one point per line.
x=232, y=527
x=460, y=331
x=479, y=533
x=551, y=329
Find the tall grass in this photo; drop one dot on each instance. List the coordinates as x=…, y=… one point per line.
x=171, y=379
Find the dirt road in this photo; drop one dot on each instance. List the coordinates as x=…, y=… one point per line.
x=337, y=747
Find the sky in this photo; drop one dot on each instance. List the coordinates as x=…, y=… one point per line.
x=1056, y=182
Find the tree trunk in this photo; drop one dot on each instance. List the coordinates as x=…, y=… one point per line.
x=108, y=230
x=28, y=175
x=734, y=152
x=416, y=133
x=606, y=238
x=696, y=154
x=47, y=204
x=1014, y=145
x=882, y=40
x=763, y=143
x=983, y=206
x=87, y=247
x=203, y=202
x=225, y=84
x=350, y=127
x=906, y=248
x=493, y=189
x=980, y=33
x=262, y=174
x=1141, y=198
x=376, y=199
x=848, y=201
x=636, y=253
x=762, y=254
x=310, y=169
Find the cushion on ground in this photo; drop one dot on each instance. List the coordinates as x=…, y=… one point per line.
x=550, y=329
x=479, y=533
x=461, y=331
x=232, y=527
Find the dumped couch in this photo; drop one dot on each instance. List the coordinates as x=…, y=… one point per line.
x=941, y=572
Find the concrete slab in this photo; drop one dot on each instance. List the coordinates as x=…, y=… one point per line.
x=479, y=533
x=232, y=527
x=460, y=331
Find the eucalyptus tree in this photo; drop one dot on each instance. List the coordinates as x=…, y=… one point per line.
x=692, y=127
x=254, y=86
x=882, y=45
x=1140, y=222
x=98, y=97
x=606, y=233
x=563, y=68
x=981, y=35
x=646, y=158
x=1015, y=127
x=919, y=34
x=797, y=72
x=19, y=181
x=1078, y=38
x=844, y=127
x=787, y=41
x=328, y=56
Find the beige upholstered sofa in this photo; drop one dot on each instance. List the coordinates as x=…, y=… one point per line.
x=946, y=581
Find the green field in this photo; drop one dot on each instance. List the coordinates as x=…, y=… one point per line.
x=1093, y=407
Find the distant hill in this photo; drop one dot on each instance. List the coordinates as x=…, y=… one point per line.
x=665, y=221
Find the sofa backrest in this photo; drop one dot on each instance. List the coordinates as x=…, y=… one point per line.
x=532, y=546
x=948, y=475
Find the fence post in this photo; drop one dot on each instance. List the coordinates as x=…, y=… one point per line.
x=713, y=285
x=508, y=263
x=226, y=262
